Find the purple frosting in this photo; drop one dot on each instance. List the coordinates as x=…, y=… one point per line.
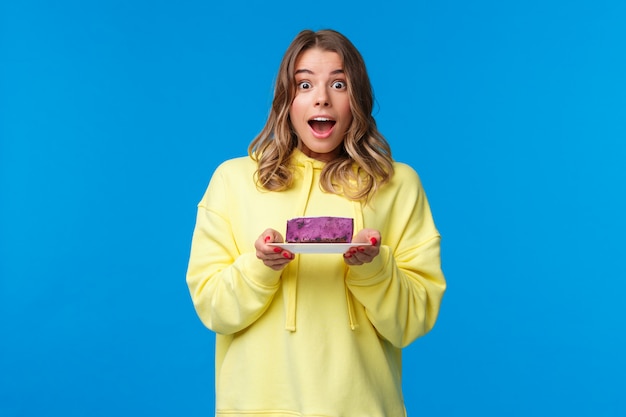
x=319, y=230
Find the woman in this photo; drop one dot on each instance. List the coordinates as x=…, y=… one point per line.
x=315, y=334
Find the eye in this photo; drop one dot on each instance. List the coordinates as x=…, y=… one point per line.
x=339, y=85
x=304, y=85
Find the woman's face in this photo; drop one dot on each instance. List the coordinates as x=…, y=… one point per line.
x=320, y=112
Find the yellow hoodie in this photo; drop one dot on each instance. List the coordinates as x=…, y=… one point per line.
x=318, y=338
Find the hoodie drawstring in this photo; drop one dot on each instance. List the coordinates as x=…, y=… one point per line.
x=358, y=225
x=291, y=272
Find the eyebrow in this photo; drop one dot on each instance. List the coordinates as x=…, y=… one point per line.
x=308, y=71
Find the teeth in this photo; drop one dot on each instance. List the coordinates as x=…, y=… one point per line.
x=321, y=119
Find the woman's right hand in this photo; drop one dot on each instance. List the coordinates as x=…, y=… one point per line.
x=272, y=256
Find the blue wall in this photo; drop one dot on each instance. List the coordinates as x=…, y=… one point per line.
x=113, y=115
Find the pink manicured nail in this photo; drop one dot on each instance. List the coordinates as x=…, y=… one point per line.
x=347, y=255
x=267, y=238
x=361, y=249
x=374, y=241
x=277, y=250
x=286, y=255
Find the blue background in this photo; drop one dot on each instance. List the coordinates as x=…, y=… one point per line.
x=113, y=115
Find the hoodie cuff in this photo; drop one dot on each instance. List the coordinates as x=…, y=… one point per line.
x=256, y=272
x=370, y=273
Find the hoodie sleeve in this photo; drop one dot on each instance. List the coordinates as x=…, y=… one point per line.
x=229, y=289
x=402, y=288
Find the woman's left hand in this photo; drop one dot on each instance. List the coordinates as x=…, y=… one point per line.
x=359, y=255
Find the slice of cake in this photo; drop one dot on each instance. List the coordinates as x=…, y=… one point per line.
x=319, y=230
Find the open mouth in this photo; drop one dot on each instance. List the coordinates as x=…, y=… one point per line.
x=321, y=125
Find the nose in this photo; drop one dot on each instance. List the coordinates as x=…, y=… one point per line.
x=323, y=98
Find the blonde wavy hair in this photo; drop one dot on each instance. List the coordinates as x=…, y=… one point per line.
x=365, y=161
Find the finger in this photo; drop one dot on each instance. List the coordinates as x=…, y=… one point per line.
x=276, y=266
x=374, y=238
x=276, y=254
x=361, y=254
x=361, y=258
x=353, y=262
x=351, y=259
x=271, y=236
x=279, y=261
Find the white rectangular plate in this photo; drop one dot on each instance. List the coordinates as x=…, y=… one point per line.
x=318, y=247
